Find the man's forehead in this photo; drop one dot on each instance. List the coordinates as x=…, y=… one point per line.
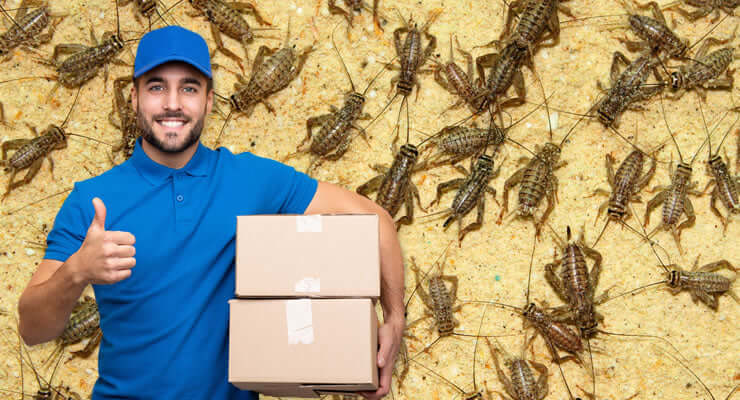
x=174, y=70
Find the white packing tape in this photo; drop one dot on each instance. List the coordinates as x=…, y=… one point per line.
x=310, y=285
x=308, y=223
x=300, y=321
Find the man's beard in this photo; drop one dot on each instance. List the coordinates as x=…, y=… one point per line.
x=148, y=134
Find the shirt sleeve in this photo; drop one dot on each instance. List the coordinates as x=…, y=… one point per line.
x=298, y=191
x=69, y=229
x=283, y=190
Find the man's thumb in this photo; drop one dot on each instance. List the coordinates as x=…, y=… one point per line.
x=99, y=218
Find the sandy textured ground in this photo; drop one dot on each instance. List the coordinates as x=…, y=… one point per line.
x=492, y=263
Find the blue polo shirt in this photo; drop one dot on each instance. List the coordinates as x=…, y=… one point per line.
x=165, y=328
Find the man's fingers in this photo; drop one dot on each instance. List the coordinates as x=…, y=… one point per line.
x=385, y=339
x=384, y=385
x=124, y=263
x=120, y=237
x=119, y=275
x=385, y=380
x=124, y=251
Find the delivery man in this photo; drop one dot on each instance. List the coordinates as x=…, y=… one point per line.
x=155, y=237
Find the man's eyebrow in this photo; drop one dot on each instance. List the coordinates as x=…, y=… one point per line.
x=154, y=79
x=191, y=81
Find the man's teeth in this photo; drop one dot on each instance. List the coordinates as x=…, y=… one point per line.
x=172, y=124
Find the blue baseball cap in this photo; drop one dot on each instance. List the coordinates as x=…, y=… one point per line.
x=172, y=43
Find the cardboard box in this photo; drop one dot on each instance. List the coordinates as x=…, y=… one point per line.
x=307, y=256
x=299, y=347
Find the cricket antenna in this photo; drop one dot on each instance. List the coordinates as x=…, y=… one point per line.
x=452, y=54
x=709, y=136
x=475, y=348
x=650, y=241
x=376, y=76
x=25, y=78
x=38, y=201
x=397, y=127
x=725, y=136
x=11, y=18
x=287, y=34
x=562, y=142
x=708, y=32
x=522, y=146
x=438, y=375
x=615, y=131
x=432, y=17
x=118, y=21
x=531, y=261
x=71, y=108
x=88, y=138
x=429, y=137
x=685, y=366
x=547, y=108
x=554, y=351
x=228, y=118
x=680, y=156
x=709, y=133
x=732, y=392
x=560, y=240
x=494, y=303
x=408, y=121
x=593, y=369
x=161, y=17
x=341, y=60
x=381, y=112
x=602, y=231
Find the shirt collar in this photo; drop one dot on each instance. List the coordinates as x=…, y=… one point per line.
x=156, y=173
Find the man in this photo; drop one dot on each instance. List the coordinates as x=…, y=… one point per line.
x=155, y=237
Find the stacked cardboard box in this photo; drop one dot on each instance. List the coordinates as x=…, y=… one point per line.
x=304, y=323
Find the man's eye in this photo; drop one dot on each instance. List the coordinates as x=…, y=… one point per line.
x=190, y=89
x=155, y=88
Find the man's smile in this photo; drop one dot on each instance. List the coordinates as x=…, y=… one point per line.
x=172, y=122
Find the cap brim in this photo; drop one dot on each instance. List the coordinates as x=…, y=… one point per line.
x=159, y=62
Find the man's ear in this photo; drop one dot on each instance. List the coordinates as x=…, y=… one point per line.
x=134, y=98
x=209, y=101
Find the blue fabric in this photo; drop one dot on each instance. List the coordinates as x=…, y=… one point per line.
x=165, y=328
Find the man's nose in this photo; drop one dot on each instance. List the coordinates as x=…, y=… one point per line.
x=173, y=100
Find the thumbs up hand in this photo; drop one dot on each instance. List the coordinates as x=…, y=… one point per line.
x=105, y=257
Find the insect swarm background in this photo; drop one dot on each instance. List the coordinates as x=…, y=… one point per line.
x=492, y=263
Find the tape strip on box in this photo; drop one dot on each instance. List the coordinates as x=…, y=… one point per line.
x=308, y=223
x=300, y=321
x=308, y=285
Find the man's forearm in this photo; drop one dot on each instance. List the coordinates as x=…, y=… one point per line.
x=44, y=308
x=391, y=270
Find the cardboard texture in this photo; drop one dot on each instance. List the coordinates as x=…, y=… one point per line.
x=271, y=352
x=307, y=256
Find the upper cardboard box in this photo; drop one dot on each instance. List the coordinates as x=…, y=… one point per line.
x=307, y=256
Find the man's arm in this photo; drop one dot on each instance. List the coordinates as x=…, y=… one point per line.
x=48, y=300
x=330, y=198
x=45, y=305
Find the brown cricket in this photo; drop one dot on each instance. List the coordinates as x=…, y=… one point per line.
x=227, y=17
x=126, y=123
x=27, y=26
x=335, y=129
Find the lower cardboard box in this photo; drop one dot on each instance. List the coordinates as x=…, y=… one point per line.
x=302, y=347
